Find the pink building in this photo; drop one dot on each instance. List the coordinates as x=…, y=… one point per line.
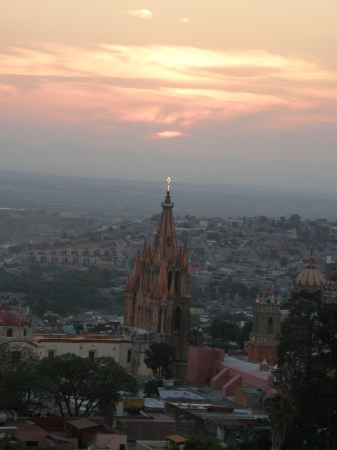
x=208, y=366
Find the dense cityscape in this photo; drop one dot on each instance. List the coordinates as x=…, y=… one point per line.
x=63, y=286
x=144, y=312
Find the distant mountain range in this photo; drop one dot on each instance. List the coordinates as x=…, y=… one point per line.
x=129, y=198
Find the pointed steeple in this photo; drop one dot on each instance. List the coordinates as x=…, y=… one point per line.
x=146, y=254
x=165, y=244
x=136, y=272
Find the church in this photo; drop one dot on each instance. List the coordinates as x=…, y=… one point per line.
x=157, y=296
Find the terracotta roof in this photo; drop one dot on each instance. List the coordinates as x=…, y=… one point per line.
x=176, y=438
x=82, y=424
x=9, y=316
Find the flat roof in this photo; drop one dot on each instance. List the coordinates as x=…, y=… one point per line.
x=83, y=423
x=176, y=438
x=245, y=365
x=179, y=393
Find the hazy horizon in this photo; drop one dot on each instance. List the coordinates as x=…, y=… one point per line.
x=238, y=92
x=130, y=199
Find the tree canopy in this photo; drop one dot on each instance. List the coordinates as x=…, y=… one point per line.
x=202, y=444
x=159, y=358
x=75, y=385
x=307, y=370
x=19, y=379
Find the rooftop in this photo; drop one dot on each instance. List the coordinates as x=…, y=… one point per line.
x=245, y=365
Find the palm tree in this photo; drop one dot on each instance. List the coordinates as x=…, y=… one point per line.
x=281, y=411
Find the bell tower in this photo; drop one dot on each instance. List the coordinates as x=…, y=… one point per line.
x=157, y=296
x=263, y=339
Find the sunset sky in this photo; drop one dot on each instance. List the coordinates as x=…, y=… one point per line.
x=239, y=91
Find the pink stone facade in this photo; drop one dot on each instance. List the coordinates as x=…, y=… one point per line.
x=207, y=366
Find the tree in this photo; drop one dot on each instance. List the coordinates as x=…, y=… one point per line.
x=295, y=220
x=223, y=329
x=159, y=358
x=195, y=336
x=243, y=333
x=280, y=410
x=79, y=385
x=205, y=444
x=307, y=370
x=19, y=383
x=151, y=388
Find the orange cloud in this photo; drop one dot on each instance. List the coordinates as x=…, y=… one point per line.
x=168, y=134
x=174, y=87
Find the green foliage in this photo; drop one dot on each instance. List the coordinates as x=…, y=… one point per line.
x=284, y=261
x=196, y=293
x=259, y=441
x=307, y=370
x=19, y=373
x=159, y=358
x=243, y=333
x=223, y=329
x=295, y=220
x=231, y=287
x=76, y=385
x=202, y=444
x=151, y=388
x=67, y=293
x=281, y=412
x=195, y=336
x=79, y=385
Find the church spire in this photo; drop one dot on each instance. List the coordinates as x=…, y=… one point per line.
x=165, y=244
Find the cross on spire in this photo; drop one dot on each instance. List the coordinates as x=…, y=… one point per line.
x=168, y=183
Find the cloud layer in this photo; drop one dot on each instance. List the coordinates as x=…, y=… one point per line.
x=170, y=89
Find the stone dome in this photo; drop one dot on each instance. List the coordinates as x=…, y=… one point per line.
x=310, y=278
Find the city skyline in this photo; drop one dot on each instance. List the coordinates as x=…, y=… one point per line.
x=236, y=91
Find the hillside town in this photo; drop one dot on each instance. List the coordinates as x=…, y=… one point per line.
x=177, y=277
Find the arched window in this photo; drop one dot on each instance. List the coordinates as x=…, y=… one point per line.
x=164, y=321
x=9, y=332
x=177, y=283
x=270, y=325
x=159, y=322
x=169, y=280
x=177, y=319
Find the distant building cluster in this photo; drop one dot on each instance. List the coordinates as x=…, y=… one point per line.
x=229, y=261
x=99, y=257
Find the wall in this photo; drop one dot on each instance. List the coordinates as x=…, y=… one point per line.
x=203, y=364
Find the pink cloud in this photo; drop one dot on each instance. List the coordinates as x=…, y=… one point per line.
x=171, y=87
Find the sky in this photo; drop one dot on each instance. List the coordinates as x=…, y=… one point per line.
x=226, y=91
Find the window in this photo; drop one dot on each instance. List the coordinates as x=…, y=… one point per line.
x=270, y=325
x=92, y=354
x=9, y=332
x=129, y=356
x=24, y=332
x=169, y=280
x=177, y=319
x=177, y=283
x=51, y=354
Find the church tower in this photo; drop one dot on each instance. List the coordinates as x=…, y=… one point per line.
x=157, y=297
x=263, y=339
